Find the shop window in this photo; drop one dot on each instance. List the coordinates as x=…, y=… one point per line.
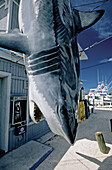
x=18, y=110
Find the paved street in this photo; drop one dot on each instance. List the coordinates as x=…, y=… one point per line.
x=52, y=152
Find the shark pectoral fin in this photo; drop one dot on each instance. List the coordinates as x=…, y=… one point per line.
x=85, y=19
x=14, y=41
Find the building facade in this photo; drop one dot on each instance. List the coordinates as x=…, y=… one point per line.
x=16, y=126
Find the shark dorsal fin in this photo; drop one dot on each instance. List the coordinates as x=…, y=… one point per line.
x=85, y=19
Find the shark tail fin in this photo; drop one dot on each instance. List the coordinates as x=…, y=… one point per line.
x=85, y=19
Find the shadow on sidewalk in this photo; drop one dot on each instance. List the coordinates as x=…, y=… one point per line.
x=106, y=164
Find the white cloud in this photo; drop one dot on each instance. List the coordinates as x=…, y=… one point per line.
x=106, y=60
x=104, y=27
x=110, y=59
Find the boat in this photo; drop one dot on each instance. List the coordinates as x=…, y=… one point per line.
x=100, y=96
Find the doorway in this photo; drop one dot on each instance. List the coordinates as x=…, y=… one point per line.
x=5, y=84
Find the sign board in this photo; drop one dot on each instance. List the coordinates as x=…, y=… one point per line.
x=19, y=130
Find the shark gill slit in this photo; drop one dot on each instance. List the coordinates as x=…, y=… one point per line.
x=44, y=62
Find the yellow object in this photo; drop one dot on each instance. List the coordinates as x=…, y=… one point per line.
x=82, y=115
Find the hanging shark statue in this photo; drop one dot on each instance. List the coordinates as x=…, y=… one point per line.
x=47, y=35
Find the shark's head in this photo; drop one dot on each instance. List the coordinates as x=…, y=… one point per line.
x=48, y=37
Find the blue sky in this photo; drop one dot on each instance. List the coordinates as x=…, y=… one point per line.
x=101, y=53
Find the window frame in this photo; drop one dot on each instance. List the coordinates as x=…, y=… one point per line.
x=9, y=4
x=14, y=99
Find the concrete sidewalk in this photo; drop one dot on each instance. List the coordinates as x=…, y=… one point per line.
x=53, y=152
x=85, y=154
x=28, y=156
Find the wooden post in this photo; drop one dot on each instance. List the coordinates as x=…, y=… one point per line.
x=110, y=125
x=101, y=142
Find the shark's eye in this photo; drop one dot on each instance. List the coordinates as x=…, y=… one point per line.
x=37, y=113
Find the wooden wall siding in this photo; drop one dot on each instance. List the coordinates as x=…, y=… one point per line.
x=37, y=130
x=34, y=131
x=18, y=76
x=17, y=86
x=15, y=141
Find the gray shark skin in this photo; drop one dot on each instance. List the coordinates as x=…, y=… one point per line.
x=48, y=32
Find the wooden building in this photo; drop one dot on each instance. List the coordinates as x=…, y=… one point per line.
x=16, y=126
